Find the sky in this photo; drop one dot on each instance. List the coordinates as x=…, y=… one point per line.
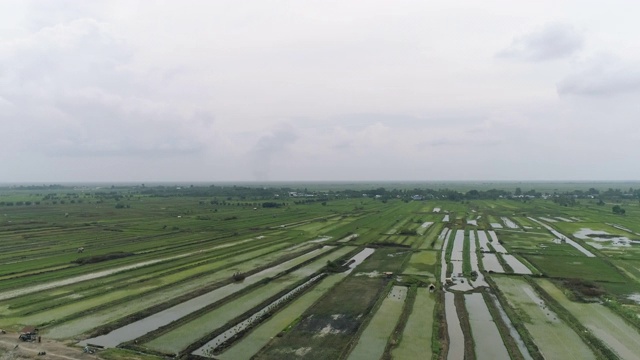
x=319, y=90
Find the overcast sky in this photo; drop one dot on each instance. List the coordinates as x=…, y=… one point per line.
x=319, y=90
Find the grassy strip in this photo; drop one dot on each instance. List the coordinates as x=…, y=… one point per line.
x=596, y=345
x=440, y=336
x=466, y=255
x=193, y=316
x=195, y=346
x=505, y=265
x=396, y=336
x=165, y=305
x=517, y=321
x=449, y=249
x=124, y=280
x=629, y=316
x=463, y=315
x=507, y=339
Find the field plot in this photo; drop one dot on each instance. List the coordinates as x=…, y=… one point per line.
x=244, y=271
x=491, y=263
x=416, y=336
x=259, y=337
x=487, y=340
x=614, y=332
x=456, y=253
x=173, y=286
x=576, y=267
x=484, y=241
x=554, y=338
x=144, y=288
x=327, y=328
x=515, y=264
x=151, y=323
x=373, y=340
x=509, y=223
x=456, y=336
x=422, y=263
x=565, y=239
x=179, y=338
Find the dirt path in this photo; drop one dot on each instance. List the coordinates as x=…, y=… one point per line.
x=27, y=350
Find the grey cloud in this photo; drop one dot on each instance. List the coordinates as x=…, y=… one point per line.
x=602, y=77
x=554, y=41
x=268, y=147
x=69, y=84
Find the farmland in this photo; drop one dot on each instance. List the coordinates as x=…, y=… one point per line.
x=238, y=272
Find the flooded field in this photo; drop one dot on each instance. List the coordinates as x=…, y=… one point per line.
x=517, y=266
x=565, y=238
x=509, y=223
x=484, y=241
x=491, y=263
x=146, y=325
x=484, y=330
x=553, y=337
x=456, y=254
x=614, y=332
x=184, y=335
x=166, y=275
x=522, y=347
x=456, y=337
x=373, y=340
x=259, y=337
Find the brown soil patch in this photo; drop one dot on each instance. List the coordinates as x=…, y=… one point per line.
x=55, y=350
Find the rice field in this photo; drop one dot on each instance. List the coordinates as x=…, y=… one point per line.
x=554, y=338
x=264, y=277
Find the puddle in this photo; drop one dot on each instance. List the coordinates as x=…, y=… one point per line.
x=348, y=238
x=564, y=238
x=436, y=210
x=359, y=258
x=603, y=236
x=508, y=223
x=548, y=219
x=496, y=225
x=446, y=218
x=635, y=297
x=563, y=219
x=321, y=239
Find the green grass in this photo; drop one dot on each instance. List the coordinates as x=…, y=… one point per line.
x=416, y=337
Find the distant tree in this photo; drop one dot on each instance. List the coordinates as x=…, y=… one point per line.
x=618, y=210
